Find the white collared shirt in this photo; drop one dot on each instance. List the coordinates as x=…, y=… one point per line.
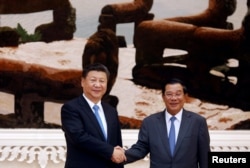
x=177, y=122
x=101, y=112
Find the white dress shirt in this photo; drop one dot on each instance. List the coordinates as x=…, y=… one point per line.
x=177, y=123
x=101, y=112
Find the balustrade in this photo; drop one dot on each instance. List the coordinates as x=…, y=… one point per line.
x=47, y=146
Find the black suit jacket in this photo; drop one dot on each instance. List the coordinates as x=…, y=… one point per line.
x=192, y=146
x=86, y=145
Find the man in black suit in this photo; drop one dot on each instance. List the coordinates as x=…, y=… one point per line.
x=91, y=144
x=181, y=143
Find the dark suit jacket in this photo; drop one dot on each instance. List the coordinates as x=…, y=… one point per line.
x=192, y=146
x=86, y=145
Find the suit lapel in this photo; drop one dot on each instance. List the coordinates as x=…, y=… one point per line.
x=162, y=127
x=185, y=123
x=108, y=121
x=88, y=111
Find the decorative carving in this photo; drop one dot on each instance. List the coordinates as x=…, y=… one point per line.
x=30, y=154
x=42, y=146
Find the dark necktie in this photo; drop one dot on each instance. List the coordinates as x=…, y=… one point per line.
x=96, y=110
x=172, y=135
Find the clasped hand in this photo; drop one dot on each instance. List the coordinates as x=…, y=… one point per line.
x=118, y=155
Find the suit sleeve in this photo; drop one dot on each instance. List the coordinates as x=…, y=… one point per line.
x=76, y=134
x=204, y=144
x=141, y=148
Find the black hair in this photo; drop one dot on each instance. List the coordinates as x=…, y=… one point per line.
x=174, y=81
x=95, y=67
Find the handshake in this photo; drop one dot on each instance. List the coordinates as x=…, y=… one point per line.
x=118, y=155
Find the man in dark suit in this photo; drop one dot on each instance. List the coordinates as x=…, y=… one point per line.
x=91, y=144
x=190, y=143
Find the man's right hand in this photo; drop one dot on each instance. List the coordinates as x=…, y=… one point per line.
x=118, y=155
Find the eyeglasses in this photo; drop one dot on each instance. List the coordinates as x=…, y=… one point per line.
x=170, y=95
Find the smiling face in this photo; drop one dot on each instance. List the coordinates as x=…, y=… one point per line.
x=94, y=85
x=174, y=98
